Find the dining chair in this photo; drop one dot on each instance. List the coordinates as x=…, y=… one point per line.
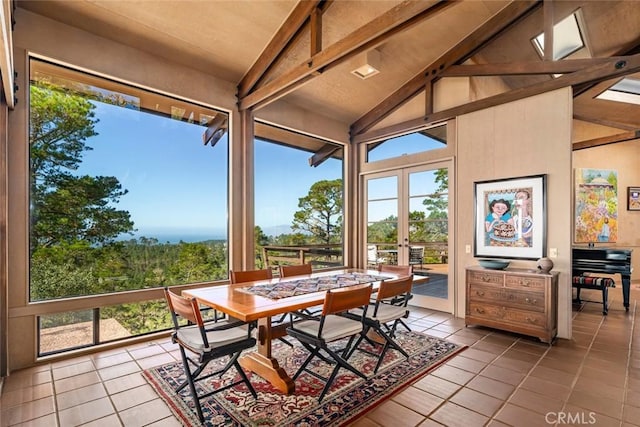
x=416, y=255
x=400, y=270
x=316, y=334
x=208, y=342
x=241, y=276
x=384, y=318
x=295, y=270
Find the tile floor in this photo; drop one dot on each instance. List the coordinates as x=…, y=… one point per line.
x=500, y=379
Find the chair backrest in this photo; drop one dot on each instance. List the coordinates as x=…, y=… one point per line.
x=372, y=254
x=187, y=308
x=400, y=270
x=416, y=253
x=295, y=270
x=250, y=275
x=343, y=299
x=395, y=287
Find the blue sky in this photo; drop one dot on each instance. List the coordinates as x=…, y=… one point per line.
x=177, y=185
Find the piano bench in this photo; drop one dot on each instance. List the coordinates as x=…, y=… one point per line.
x=591, y=282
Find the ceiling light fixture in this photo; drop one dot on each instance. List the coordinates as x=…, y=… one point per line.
x=368, y=64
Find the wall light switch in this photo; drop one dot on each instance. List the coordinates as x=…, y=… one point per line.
x=467, y=249
x=553, y=252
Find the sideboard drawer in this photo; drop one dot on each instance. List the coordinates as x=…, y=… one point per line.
x=528, y=282
x=511, y=297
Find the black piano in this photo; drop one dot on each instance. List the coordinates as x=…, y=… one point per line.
x=605, y=260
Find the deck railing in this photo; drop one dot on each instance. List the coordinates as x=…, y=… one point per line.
x=329, y=255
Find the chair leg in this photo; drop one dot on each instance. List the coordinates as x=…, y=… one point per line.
x=389, y=342
x=192, y=386
x=605, y=303
x=578, y=288
x=245, y=379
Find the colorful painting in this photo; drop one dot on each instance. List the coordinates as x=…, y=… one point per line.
x=510, y=217
x=596, y=203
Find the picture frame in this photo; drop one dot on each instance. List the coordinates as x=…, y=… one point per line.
x=511, y=217
x=633, y=198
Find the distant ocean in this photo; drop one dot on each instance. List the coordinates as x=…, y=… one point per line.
x=175, y=237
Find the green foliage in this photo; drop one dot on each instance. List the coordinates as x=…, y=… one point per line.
x=320, y=212
x=68, y=208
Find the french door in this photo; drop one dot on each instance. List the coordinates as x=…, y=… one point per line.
x=407, y=223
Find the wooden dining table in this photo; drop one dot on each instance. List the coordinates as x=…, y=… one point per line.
x=235, y=301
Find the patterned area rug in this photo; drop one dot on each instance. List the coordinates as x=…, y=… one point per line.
x=307, y=285
x=349, y=397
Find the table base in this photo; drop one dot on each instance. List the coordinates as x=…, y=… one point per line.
x=269, y=369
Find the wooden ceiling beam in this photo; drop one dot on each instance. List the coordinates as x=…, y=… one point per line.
x=294, y=22
x=595, y=73
x=629, y=50
x=504, y=19
x=602, y=120
x=463, y=50
x=397, y=19
x=525, y=67
x=613, y=139
x=323, y=154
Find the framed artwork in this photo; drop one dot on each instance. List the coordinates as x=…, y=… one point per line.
x=510, y=218
x=596, y=205
x=633, y=198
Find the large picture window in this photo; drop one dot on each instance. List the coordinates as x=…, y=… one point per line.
x=299, y=199
x=124, y=194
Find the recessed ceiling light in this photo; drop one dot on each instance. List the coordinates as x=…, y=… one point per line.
x=368, y=64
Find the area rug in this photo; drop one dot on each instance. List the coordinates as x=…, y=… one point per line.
x=349, y=397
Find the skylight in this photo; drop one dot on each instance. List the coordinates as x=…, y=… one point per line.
x=626, y=90
x=567, y=38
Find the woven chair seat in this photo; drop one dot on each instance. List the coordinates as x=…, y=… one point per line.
x=593, y=282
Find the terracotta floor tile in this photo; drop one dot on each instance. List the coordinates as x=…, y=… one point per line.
x=453, y=374
x=547, y=388
x=536, y=402
x=133, y=397
x=418, y=400
x=503, y=374
x=476, y=401
x=437, y=386
x=144, y=414
x=479, y=355
x=453, y=415
x=467, y=364
x=80, y=395
x=491, y=387
x=390, y=413
x=589, y=385
x=596, y=403
x=90, y=411
x=514, y=415
x=27, y=411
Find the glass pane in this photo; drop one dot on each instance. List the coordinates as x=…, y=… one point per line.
x=298, y=208
x=121, y=187
x=124, y=320
x=425, y=140
x=65, y=331
x=382, y=188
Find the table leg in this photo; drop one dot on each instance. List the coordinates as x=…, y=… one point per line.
x=262, y=361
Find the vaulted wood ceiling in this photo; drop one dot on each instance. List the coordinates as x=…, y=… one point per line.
x=303, y=52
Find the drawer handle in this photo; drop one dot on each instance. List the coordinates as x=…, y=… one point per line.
x=531, y=301
x=524, y=283
x=486, y=278
x=530, y=320
x=479, y=310
x=480, y=293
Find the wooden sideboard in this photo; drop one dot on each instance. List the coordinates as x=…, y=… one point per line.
x=516, y=300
